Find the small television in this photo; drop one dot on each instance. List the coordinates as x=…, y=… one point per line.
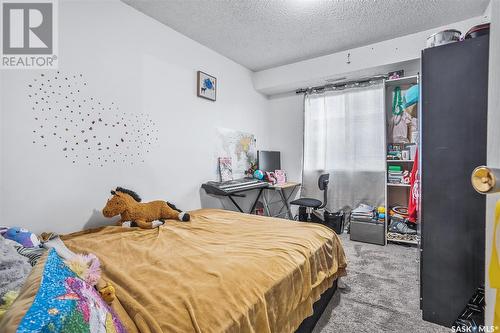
x=269, y=160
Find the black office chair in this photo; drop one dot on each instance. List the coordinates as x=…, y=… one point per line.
x=310, y=204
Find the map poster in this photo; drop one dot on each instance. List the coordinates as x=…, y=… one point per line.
x=240, y=146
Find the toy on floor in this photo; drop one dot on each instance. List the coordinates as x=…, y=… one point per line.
x=148, y=215
x=22, y=236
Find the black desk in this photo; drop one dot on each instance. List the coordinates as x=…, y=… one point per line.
x=237, y=191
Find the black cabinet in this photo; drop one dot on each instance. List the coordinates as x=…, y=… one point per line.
x=454, y=115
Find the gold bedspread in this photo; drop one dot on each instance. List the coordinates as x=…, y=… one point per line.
x=221, y=272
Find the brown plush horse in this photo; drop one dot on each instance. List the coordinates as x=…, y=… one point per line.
x=146, y=215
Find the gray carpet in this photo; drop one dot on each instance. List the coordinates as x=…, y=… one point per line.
x=380, y=292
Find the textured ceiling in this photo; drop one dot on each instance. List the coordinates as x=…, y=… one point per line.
x=260, y=34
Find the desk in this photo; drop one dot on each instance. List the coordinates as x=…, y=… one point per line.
x=285, y=209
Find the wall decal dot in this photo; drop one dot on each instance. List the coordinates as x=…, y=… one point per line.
x=84, y=112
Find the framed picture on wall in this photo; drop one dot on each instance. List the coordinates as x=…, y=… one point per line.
x=207, y=86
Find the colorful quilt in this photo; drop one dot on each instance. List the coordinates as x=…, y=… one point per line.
x=66, y=303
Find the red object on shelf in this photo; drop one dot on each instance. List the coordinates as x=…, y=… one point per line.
x=414, y=197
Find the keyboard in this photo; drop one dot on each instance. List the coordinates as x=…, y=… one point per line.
x=238, y=182
x=233, y=186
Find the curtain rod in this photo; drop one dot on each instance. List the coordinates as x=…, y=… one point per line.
x=340, y=86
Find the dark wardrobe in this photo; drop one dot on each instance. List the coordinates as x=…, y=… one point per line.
x=454, y=115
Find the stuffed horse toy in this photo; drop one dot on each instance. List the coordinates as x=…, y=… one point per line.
x=146, y=215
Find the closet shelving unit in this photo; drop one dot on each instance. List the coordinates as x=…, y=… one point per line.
x=396, y=194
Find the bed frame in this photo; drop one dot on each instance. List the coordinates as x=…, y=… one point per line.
x=319, y=307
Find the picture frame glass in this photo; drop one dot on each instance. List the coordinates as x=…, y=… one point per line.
x=207, y=86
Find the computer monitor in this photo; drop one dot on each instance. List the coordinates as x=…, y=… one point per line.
x=269, y=160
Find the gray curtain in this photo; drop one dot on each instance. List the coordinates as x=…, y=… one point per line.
x=344, y=135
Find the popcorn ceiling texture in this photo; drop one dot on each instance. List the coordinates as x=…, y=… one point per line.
x=260, y=34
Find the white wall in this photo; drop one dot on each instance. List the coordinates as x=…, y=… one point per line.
x=286, y=114
x=1, y=143
x=364, y=61
x=380, y=58
x=287, y=108
x=493, y=144
x=141, y=66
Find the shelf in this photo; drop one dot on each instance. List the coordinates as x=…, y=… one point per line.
x=398, y=185
x=402, y=81
x=400, y=161
x=402, y=241
x=398, y=240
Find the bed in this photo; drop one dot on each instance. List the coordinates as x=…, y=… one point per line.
x=221, y=272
